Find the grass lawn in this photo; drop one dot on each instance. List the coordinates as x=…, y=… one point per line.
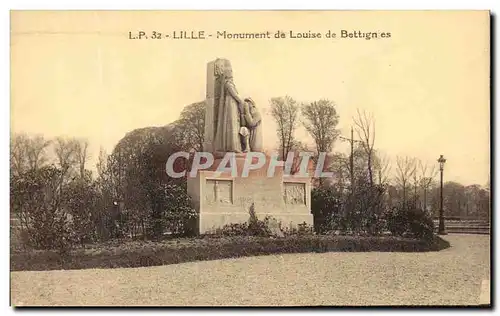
x=126, y=253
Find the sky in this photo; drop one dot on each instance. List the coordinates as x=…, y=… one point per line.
x=77, y=74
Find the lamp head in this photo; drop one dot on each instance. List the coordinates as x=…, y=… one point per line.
x=441, y=161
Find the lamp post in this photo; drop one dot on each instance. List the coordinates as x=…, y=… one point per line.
x=441, y=230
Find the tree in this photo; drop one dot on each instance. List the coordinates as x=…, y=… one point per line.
x=137, y=166
x=339, y=165
x=190, y=127
x=427, y=176
x=284, y=111
x=484, y=204
x=79, y=200
x=108, y=178
x=416, y=182
x=19, y=145
x=320, y=120
x=454, y=199
x=82, y=155
x=107, y=187
x=365, y=128
x=37, y=152
x=359, y=164
x=476, y=202
x=392, y=195
x=382, y=167
x=102, y=163
x=27, y=152
x=405, y=168
x=296, y=148
x=36, y=198
x=66, y=153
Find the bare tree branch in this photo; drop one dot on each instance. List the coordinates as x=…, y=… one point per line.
x=66, y=150
x=405, y=167
x=365, y=129
x=427, y=175
x=382, y=166
x=81, y=152
x=284, y=111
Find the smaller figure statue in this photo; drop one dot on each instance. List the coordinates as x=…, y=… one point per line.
x=251, y=133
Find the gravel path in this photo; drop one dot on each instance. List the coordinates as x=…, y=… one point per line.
x=452, y=276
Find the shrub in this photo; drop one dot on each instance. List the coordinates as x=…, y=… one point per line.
x=236, y=229
x=254, y=227
x=396, y=221
x=79, y=199
x=405, y=219
x=257, y=227
x=421, y=224
x=171, y=210
x=302, y=229
x=361, y=212
x=326, y=208
x=369, y=209
x=36, y=198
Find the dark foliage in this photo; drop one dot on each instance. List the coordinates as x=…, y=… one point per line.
x=186, y=250
x=253, y=227
x=36, y=199
x=257, y=227
x=405, y=219
x=326, y=207
x=358, y=212
x=57, y=212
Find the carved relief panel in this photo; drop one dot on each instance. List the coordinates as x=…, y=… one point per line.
x=294, y=193
x=219, y=191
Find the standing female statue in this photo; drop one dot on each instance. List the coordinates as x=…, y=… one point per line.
x=228, y=110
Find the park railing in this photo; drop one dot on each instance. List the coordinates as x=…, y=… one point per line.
x=465, y=226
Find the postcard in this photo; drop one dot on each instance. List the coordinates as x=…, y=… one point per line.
x=250, y=158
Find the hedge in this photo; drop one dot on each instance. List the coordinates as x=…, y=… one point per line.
x=144, y=253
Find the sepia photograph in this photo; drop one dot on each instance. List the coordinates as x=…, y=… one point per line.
x=250, y=158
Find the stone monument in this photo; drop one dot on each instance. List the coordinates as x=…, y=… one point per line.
x=233, y=124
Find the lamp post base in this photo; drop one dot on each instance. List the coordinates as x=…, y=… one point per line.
x=441, y=229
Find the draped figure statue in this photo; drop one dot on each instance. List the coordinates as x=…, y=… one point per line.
x=228, y=109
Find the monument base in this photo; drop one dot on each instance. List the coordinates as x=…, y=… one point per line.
x=226, y=198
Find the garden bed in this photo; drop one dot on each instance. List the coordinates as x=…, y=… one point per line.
x=128, y=254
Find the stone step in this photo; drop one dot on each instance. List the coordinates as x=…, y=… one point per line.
x=466, y=225
x=467, y=231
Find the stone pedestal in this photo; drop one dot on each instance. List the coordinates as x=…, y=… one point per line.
x=225, y=198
